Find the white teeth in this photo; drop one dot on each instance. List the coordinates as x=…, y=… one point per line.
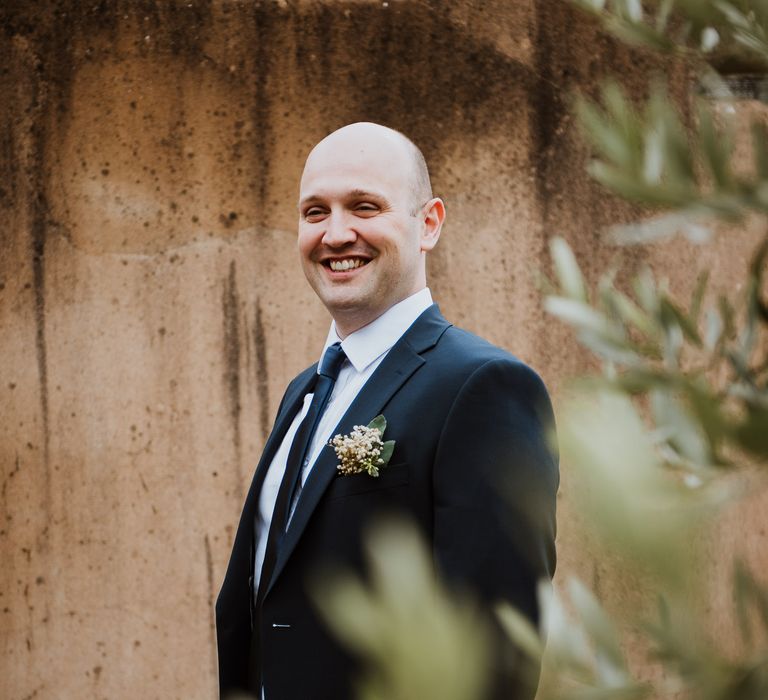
x=342, y=265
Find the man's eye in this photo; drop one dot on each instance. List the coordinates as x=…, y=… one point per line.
x=366, y=208
x=313, y=213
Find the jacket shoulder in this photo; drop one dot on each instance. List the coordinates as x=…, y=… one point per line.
x=468, y=352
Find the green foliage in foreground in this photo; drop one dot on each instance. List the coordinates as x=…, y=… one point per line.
x=657, y=441
x=691, y=27
x=654, y=444
x=421, y=643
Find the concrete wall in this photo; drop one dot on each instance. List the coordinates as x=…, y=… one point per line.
x=151, y=302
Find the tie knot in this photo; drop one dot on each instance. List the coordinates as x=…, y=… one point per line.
x=332, y=360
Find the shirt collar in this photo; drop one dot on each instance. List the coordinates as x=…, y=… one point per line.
x=370, y=342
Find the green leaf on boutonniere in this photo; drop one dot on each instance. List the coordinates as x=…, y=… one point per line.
x=380, y=423
x=386, y=452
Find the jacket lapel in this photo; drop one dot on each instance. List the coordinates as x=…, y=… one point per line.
x=397, y=367
x=241, y=561
x=291, y=405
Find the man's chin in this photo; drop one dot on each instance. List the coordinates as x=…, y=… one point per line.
x=343, y=295
x=346, y=305
x=351, y=312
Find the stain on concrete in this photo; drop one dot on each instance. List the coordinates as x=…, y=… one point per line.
x=183, y=26
x=8, y=188
x=262, y=371
x=230, y=308
x=450, y=85
x=6, y=481
x=265, y=37
x=548, y=104
x=39, y=223
x=211, y=611
x=34, y=693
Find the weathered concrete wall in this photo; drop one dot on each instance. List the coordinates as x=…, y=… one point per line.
x=151, y=300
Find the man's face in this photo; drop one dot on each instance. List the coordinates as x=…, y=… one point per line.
x=359, y=241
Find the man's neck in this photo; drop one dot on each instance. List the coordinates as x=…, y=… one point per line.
x=346, y=325
x=369, y=341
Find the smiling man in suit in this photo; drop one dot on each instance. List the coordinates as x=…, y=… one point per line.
x=472, y=464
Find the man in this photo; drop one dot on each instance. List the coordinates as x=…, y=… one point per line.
x=471, y=464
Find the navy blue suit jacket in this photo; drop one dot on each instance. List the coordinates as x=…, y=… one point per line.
x=473, y=467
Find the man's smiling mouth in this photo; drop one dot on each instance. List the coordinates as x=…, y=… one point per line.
x=345, y=264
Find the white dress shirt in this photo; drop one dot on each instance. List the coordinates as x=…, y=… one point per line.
x=365, y=349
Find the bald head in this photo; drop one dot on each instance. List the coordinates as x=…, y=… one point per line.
x=367, y=220
x=404, y=154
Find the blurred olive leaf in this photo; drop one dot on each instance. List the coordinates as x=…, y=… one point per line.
x=418, y=640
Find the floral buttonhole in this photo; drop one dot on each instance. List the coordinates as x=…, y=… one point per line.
x=363, y=450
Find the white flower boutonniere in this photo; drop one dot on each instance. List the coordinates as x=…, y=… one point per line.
x=363, y=450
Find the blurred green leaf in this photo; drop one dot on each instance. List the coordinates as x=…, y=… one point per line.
x=597, y=623
x=620, y=483
x=591, y=5
x=609, y=348
x=582, y=316
x=685, y=433
x=420, y=641
x=607, y=137
x=736, y=18
x=752, y=432
x=714, y=330
x=760, y=149
x=638, y=33
x=671, y=314
x=567, y=644
x=645, y=291
x=584, y=650
x=717, y=149
x=631, y=314
x=660, y=227
x=568, y=272
x=519, y=629
x=698, y=296
x=705, y=405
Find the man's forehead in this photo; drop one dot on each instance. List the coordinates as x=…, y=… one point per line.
x=358, y=159
x=374, y=157
x=361, y=143
x=353, y=172
x=362, y=136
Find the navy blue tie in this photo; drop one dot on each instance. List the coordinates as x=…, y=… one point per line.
x=329, y=371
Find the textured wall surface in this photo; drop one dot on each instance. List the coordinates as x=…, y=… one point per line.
x=151, y=303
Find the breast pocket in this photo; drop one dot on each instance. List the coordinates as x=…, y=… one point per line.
x=389, y=477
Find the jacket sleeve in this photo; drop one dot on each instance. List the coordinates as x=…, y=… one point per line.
x=495, y=481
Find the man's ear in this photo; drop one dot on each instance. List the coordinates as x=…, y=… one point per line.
x=434, y=215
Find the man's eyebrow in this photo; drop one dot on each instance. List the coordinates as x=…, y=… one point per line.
x=309, y=198
x=365, y=193
x=352, y=194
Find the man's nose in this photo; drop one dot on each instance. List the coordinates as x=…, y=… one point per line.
x=338, y=231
